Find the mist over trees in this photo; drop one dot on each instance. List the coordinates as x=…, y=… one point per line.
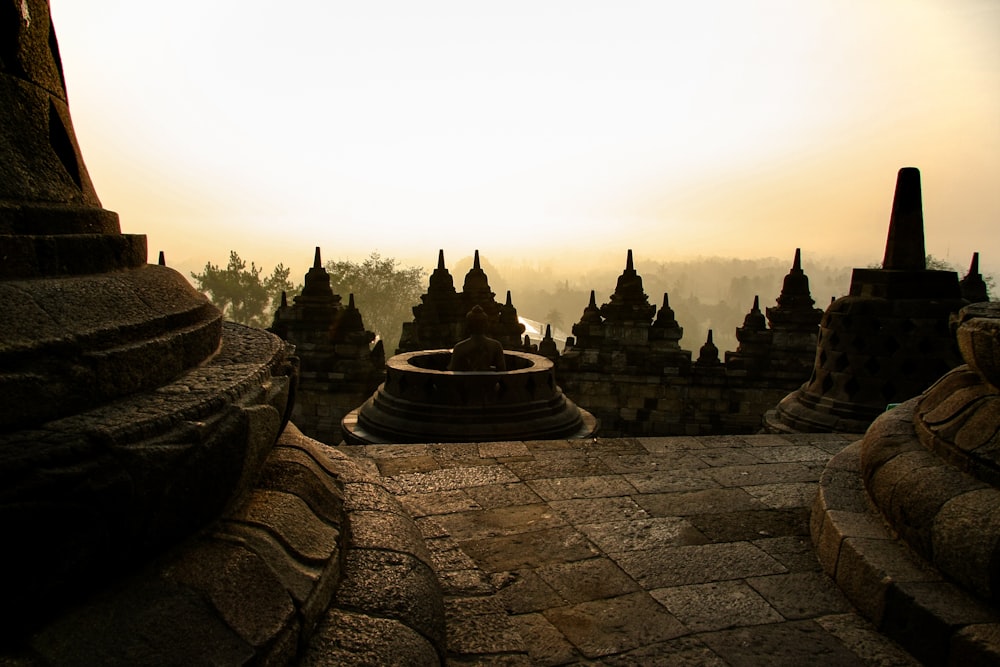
x=705, y=293
x=384, y=291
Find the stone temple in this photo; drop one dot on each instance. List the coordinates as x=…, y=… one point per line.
x=159, y=505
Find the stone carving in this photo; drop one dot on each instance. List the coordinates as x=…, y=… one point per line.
x=478, y=352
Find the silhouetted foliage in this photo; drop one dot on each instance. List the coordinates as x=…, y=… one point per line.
x=243, y=294
x=384, y=292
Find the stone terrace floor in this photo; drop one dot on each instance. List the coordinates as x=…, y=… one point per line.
x=648, y=551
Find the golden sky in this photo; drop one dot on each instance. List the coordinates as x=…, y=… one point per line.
x=543, y=130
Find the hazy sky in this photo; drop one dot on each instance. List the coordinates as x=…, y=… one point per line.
x=540, y=130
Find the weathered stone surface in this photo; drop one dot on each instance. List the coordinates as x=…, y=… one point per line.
x=782, y=645
x=348, y=638
x=602, y=628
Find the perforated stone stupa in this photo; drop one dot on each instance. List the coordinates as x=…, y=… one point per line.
x=887, y=340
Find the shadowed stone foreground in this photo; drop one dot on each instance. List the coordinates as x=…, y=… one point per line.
x=630, y=551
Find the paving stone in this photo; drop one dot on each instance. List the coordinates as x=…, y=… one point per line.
x=795, y=553
x=680, y=652
x=530, y=549
x=726, y=456
x=449, y=478
x=500, y=521
x=866, y=642
x=790, y=644
x=493, y=496
x=527, y=593
x=766, y=473
x=784, y=494
x=609, y=626
x=634, y=534
x=441, y=502
x=738, y=526
x=798, y=595
x=565, y=488
x=502, y=450
x=595, y=510
x=465, y=582
x=480, y=626
x=716, y=605
x=589, y=579
x=451, y=455
x=558, y=464
x=696, y=564
x=648, y=462
x=406, y=464
x=546, y=645
x=664, y=445
x=668, y=481
x=790, y=453
x=686, y=503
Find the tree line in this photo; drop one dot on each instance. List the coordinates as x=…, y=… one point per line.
x=384, y=290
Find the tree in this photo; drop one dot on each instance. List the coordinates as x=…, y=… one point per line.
x=384, y=292
x=241, y=293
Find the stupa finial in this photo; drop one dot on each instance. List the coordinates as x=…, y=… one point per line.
x=904, y=248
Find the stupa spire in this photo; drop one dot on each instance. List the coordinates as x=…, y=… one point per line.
x=904, y=248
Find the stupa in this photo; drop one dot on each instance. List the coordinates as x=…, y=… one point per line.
x=884, y=342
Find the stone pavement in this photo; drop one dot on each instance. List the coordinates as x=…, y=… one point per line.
x=634, y=551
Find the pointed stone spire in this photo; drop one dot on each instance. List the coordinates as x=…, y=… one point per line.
x=476, y=288
x=709, y=353
x=348, y=321
x=755, y=320
x=547, y=347
x=284, y=299
x=629, y=303
x=973, y=286
x=317, y=285
x=904, y=248
x=440, y=266
x=509, y=303
x=162, y=260
x=591, y=314
x=665, y=318
x=795, y=311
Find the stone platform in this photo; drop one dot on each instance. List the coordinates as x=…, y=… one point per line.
x=672, y=551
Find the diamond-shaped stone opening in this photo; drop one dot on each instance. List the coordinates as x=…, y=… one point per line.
x=842, y=362
x=852, y=386
x=891, y=345
x=872, y=365
x=827, y=384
